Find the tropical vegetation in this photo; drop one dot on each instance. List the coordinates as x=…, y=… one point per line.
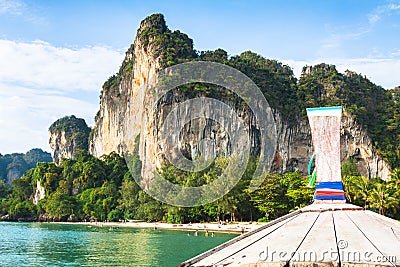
x=88, y=188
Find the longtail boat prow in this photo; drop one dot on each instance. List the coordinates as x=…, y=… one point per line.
x=329, y=232
x=325, y=131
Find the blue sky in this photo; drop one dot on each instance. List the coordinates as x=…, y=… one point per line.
x=55, y=55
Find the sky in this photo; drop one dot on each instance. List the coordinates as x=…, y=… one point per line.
x=55, y=55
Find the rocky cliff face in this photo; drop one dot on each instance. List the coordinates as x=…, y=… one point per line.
x=39, y=193
x=67, y=136
x=355, y=143
x=61, y=146
x=13, y=173
x=122, y=99
x=125, y=113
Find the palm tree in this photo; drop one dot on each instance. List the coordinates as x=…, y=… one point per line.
x=349, y=186
x=361, y=188
x=381, y=198
x=394, y=187
x=395, y=180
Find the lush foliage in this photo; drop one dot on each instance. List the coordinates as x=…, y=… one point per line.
x=82, y=188
x=375, y=194
x=173, y=46
x=88, y=188
x=279, y=195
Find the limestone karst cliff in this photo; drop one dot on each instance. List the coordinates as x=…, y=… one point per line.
x=125, y=111
x=67, y=136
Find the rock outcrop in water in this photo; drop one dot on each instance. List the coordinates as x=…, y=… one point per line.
x=125, y=112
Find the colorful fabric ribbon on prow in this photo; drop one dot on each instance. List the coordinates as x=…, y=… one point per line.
x=329, y=191
x=311, y=176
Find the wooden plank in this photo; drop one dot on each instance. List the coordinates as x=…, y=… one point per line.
x=385, y=220
x=275, y=248
x=318, y=244
x=380, y=234
x=355, y=237
x=239, y=245
x=198, y=258
x=354, y=247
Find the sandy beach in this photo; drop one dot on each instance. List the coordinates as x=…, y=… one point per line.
x=191, y=227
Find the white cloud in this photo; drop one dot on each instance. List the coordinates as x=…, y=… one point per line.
x=380, y=66
x=396, y=53
x=380, y=11
x=22, y=10
x=41, y=65
x=26, y=114
x=11, y=7
x=40, y=83
x=383, y=72
x=334, y=44
x=394, y=7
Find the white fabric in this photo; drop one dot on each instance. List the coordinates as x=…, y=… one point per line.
x=325, y=130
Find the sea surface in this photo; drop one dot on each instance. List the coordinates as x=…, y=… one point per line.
x=46, y=244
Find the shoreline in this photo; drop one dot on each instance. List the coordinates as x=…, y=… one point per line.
x=243, y=227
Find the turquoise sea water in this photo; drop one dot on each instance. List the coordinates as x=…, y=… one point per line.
x=44, y=244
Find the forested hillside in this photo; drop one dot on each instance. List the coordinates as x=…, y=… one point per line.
x=14, y=165
x=88, y=188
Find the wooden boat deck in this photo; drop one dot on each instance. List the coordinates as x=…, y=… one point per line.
x=317, y=235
